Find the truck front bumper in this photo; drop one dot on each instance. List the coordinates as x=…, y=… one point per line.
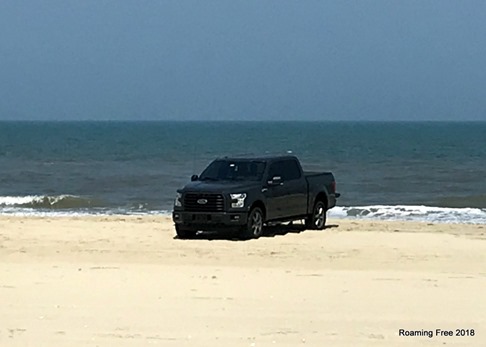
x=205, y=221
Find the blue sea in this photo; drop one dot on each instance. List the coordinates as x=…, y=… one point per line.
x=423, y=171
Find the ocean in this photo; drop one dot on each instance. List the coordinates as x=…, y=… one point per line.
x=423, y=171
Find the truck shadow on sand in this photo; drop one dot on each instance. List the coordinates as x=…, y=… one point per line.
x=268, y=231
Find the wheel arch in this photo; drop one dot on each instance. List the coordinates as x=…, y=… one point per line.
x=261, y=206
x=322, y=196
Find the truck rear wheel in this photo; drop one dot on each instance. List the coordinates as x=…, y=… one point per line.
x=317, y=220
x=254, y=226
x=184, y=232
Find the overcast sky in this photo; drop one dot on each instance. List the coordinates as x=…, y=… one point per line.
x=239, y=60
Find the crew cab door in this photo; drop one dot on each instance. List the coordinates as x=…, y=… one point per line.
x=287, y=190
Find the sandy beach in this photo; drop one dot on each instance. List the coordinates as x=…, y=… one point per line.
x=126, y=281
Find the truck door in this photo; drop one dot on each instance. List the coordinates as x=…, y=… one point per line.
x=275, y=191
x=296, y=186
x=288, y=196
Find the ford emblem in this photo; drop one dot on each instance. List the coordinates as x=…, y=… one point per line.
x=202, y=201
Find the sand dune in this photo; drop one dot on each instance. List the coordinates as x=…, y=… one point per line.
x=126, y=281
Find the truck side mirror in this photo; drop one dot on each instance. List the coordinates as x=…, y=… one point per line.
x=194, y=177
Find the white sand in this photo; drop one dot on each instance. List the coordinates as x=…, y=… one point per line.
x=125, y=281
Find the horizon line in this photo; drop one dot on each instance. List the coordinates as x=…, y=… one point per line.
x=235, y=121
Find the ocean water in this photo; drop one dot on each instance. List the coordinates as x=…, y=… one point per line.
x=427, y=171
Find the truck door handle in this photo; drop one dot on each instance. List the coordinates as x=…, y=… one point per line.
x=264, y=190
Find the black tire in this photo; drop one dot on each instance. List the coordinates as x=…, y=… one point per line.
x=184, y=232
x=254, y=226
x=317, y=220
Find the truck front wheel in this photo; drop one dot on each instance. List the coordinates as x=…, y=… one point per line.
x=184, y=232
x=254, y=226
x=317, y=220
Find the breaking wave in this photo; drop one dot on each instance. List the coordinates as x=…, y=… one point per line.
x=50, y=202
x=412, y=213
x=68, y=205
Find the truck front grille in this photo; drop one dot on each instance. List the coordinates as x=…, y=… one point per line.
x=201, y=202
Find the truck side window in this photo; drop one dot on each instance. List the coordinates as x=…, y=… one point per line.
x=287, y=169
x=275, y=170
x=290, y=170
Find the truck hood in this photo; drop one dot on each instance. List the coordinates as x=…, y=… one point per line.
x=225, y=187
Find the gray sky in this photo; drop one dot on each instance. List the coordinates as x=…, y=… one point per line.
x=239, y=60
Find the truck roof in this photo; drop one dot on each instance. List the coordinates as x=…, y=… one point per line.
x=264, y=157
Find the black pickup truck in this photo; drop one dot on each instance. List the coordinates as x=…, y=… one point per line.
x=243, y=194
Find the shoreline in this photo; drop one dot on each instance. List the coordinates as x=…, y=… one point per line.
x=386, y=213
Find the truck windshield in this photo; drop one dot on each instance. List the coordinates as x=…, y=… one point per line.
x=225, y=170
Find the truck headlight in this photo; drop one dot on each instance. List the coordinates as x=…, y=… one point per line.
x=177, y=201
x=238, y=200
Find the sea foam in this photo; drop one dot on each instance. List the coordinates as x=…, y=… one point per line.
x=64, y=201
x=418, y=213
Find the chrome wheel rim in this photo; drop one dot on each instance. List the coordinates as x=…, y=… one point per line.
x=319, y=216
x=256, y=224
